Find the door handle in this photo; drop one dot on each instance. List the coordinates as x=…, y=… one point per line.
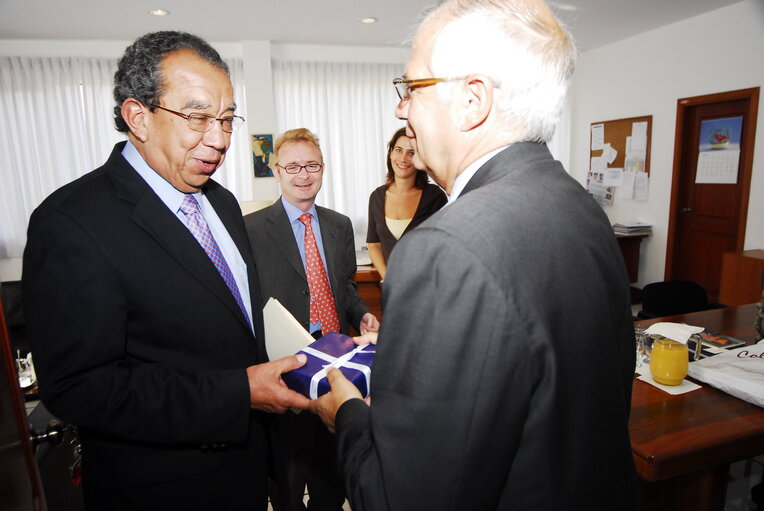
x=686, y=209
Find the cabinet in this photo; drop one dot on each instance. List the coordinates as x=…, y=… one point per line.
x=742, y=277
x=369, y=288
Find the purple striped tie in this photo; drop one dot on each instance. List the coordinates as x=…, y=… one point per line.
x=201, y=231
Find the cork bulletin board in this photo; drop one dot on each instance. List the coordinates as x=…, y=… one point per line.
x=619, y=156
x=616, y=134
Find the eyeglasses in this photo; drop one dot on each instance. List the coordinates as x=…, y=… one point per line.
x=404, y=87
x=294, y=168
x=204, y=122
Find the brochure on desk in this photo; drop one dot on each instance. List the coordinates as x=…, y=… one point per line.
x=284, y=335
x=716, y=340
x=738, y=372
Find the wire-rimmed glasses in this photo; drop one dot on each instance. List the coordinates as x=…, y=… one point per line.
x=294, y=168
x=203, y=122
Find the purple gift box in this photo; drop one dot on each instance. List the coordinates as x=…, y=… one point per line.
x=332, y=350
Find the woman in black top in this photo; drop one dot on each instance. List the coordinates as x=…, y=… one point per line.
x=403, y=202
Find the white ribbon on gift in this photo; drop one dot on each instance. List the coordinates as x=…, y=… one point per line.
x=343, y=361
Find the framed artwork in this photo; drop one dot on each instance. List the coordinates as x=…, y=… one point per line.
x=262, y=151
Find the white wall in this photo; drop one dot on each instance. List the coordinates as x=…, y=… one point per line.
x=645, y=75
x=258, y=81
x=256, y=56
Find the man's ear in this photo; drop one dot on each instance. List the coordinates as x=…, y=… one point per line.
x=136, y=116
x=479, y=101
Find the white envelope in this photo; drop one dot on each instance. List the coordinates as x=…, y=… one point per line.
x=284, y=335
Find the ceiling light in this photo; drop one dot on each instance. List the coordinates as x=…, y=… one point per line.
x=368, y=21
x=159, y=12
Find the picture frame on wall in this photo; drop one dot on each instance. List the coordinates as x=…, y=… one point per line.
x=262, y=152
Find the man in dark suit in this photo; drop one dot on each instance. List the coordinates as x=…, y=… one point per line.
x=303, y=449
x=503, y=372
x=143, y=304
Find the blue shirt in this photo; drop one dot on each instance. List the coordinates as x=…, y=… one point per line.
x=172, y=198
x=298, y=229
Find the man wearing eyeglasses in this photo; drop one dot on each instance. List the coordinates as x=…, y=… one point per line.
x=503, y=371
x=298, y=246
x=143, y=302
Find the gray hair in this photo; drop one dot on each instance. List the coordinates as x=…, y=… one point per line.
x=520, y=46
x=139, y=73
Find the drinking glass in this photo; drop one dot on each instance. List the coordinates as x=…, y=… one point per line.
x=668, y=361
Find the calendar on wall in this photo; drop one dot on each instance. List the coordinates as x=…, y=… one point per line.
x=719, y=150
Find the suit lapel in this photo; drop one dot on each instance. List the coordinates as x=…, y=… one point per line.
x=282, y=235
x=153, y=216
x=329, y=233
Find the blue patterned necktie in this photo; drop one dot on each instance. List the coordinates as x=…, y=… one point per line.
x=198, y=226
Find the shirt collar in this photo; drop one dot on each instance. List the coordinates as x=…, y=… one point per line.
x=462, y=179
x=293, y=212
x=171, y=196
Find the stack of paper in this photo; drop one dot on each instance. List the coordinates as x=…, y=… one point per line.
x=632, y=228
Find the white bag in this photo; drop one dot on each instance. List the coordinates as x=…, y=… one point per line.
x=738, y=372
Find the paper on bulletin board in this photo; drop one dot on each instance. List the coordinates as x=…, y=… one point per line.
x=641, y=186
x=639, y=130
x=634, y=165
x=595, y=185
x=613, y=177
x=636, y=148
x=598, y=136
x=626, y=188
x=609, y=154
x=598, y=164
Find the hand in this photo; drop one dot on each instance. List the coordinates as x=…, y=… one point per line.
x=369, y=323
x=367, y=338
x=341, y=390
x=268, y=392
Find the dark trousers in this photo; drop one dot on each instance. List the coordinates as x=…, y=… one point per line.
x=304, y=453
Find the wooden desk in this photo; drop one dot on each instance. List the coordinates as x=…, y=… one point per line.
x=683, y=445
x=368, y=281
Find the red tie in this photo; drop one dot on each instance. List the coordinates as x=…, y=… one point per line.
x=322, y=307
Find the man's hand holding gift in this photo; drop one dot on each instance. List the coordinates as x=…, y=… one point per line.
x=341, y=389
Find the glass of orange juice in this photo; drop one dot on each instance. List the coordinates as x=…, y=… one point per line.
x=668, y=361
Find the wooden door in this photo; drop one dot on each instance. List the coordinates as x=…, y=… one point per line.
x=708, y=219
x=20, y=486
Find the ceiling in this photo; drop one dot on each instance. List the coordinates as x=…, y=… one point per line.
x=593, y=22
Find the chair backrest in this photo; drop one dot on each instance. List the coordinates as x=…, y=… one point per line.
x=672, y=297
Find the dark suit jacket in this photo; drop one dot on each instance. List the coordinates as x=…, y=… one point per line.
x=138, y=341
x=280, y=268
x=504, y=365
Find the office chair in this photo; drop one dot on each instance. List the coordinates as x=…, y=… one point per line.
x=672, y=297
